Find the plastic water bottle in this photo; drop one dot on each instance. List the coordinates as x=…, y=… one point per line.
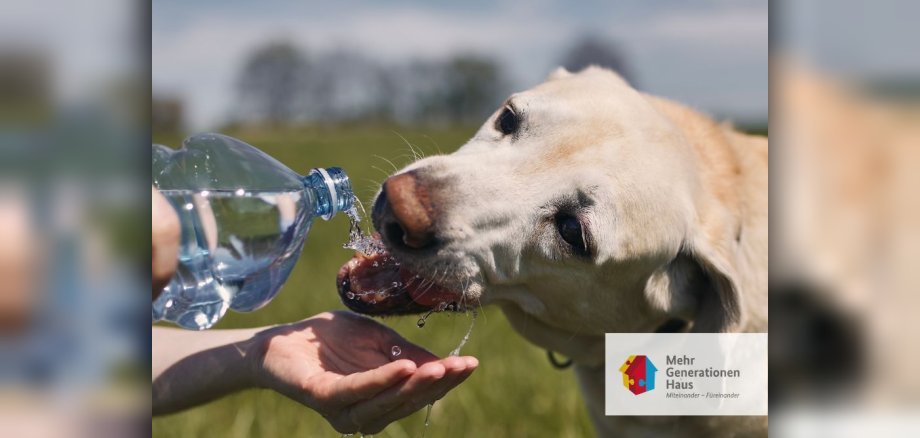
x=244, y=218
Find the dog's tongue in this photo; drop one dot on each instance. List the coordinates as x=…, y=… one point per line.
x=376, y=284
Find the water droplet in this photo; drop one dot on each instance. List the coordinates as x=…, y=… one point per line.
x=466, y=337
x=357, y=240
x=189, y=206
x=396, y=351
x=427, y=417
x=421, y=322
x=240, y=192
x=350, y=295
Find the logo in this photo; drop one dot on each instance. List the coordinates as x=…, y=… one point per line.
x=638, y=374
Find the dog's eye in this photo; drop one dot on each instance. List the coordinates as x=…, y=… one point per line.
x=508, y=121
x=571, y=232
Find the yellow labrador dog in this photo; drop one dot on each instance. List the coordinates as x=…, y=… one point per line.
x=582, y=207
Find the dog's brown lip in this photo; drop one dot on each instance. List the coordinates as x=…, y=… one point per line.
x=377, y=284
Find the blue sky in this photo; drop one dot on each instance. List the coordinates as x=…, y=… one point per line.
x=711, y=54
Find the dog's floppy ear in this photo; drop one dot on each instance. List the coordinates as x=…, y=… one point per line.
x=717, y=295
x=700, y=285
x=558, y=73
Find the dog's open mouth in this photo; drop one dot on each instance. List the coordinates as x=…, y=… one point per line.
x=378, y=284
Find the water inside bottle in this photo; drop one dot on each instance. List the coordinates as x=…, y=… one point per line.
x=238, y=247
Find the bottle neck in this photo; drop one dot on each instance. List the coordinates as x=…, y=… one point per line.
x=332, y=189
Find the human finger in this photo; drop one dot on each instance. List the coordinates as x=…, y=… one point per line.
x=372, y=408
x=165, y=246
x=364, y=385
x=457, y=370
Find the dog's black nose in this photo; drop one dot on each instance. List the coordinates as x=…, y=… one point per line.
x=403, y=214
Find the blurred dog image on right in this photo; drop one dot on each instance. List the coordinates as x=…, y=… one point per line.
x=845, y=284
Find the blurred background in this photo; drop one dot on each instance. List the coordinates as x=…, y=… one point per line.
x=74, y=346
x=350, y=84
x=354, y=83
x=844, y=285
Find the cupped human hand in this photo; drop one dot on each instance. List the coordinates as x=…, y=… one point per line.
x=358, y=374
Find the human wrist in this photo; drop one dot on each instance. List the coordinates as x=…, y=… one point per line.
x=191, y=368
x=256, y=349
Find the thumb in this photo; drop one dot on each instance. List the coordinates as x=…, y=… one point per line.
x=165, y=246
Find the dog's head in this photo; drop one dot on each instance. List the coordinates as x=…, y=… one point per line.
x=577, y=203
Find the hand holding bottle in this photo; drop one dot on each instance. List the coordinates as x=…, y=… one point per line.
x=243, y=218
x=359, y=374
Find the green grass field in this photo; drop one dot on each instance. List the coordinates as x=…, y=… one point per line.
x=515, y=391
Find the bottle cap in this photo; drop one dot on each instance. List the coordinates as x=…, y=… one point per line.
x=340, y=196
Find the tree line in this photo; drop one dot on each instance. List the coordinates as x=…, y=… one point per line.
x=279, y=83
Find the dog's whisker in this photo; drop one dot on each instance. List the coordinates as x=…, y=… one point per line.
x=375, y=184
x=423, y=281
x=407, y=157
x=408, y=143
x=413, y=154
x=395, y=168
x=436, y=145
x=388, y=161
x=418, y=152
x=466, y=289
x=430, y=285
x=444, y=275
x=384, y=172
x=485, y=319
x=415, y=281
